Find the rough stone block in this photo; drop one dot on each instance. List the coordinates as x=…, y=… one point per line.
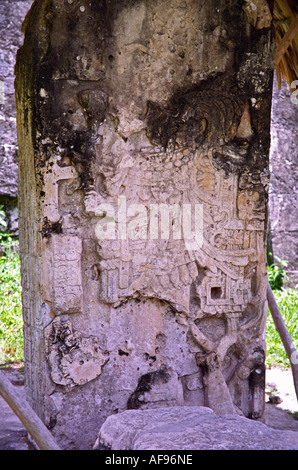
x=189, y=428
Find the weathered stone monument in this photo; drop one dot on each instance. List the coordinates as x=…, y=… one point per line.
x=143, y=131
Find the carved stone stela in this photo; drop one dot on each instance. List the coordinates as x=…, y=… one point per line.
x=139, y=120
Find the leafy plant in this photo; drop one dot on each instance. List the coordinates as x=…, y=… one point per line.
x=3, y=223
x=11, y=324
x=287, y=300
x=276, y=273
x=5, y=238
x=294, y=414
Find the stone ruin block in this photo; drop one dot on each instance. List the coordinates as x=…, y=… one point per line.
x=143, y=130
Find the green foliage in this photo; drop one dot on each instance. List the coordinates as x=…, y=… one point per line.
x=287, y=300
x=2, y=219
x=5, y=238
x=11, y=324
x=276, y=273
x=294, y=414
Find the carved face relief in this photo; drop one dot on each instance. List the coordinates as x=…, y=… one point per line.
x=152, y=188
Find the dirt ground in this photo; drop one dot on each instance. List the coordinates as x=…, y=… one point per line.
x=279, y=388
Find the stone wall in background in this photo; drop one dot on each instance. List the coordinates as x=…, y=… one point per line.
x=12, y=14
x=284, y=177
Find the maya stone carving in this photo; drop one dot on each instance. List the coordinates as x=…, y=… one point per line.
x=151, y=169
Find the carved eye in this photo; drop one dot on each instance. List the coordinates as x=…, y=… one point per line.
x=243, y=143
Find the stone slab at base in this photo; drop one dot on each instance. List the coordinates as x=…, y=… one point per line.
x=189, y=428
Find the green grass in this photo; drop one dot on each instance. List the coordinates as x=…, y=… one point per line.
x=287, y=300
x=11, y=323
